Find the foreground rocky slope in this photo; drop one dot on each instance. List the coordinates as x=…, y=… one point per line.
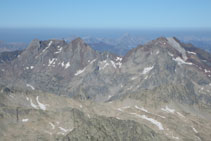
x=55, y=90
x=33, y=115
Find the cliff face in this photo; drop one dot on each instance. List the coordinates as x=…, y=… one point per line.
x=58, y=90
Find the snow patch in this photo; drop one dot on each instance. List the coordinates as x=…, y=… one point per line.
x=64, y=130
x=62, y=64
x=25, y=120
x=109, y=96
x=145, y=110
x=28, y=68
x=147, y=69
x=180, y=115
x=168, y=110
x=153, y=121
x=194, y=129
x=191, y=52
x=118, y=118
x=80, y=71
x=104, y=66
x=59, y=50
x=118, y=59
x=137, y=86
x=52, y=61
x=67, y=65
x=141, y=108
x=49, y=44
x=130, y=88
x=170, y=54
x=119, y=109
x=32, y=104
x=52, y=125
x=181, y=61
x=92, y=61
x=119, y=64
x=135, y=77
x=145, y=77
x=30, y=86
x=206, y=71
x=42, y=106
x=113, y=64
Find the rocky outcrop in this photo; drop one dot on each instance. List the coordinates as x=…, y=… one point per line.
x=108, y=129
x=76, y=70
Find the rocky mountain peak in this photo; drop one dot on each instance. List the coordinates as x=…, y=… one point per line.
x=156, y=45
x=78, y=42
x=59, y=59
x=33, y=44
x=157, y=84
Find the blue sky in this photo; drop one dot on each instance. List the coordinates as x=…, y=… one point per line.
x=123, y=14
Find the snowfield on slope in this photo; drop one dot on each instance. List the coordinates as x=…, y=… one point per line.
x=153, y=121
x=147, y=69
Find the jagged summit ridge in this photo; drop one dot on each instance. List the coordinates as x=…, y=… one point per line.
x=75, y=69
x=153, y=90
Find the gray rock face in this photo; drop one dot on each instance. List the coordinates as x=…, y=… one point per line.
x=56, y=90
x=158, y=65
x=34, y=115
x=110, y=129
x=178, y=47
x=165, y=66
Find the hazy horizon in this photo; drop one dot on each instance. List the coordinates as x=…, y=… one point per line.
x=28, y=34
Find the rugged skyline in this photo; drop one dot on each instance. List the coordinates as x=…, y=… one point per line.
x=105, y=70
x=57, y=90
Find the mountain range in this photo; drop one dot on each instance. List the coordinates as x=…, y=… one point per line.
x=11, y=46
x=120, y=44
x=58, y=90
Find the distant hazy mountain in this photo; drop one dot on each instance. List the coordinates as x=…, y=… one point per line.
x=124, y=43
x=11, y=46
x=119, y=46
x=8, y=56
x=203, y=44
